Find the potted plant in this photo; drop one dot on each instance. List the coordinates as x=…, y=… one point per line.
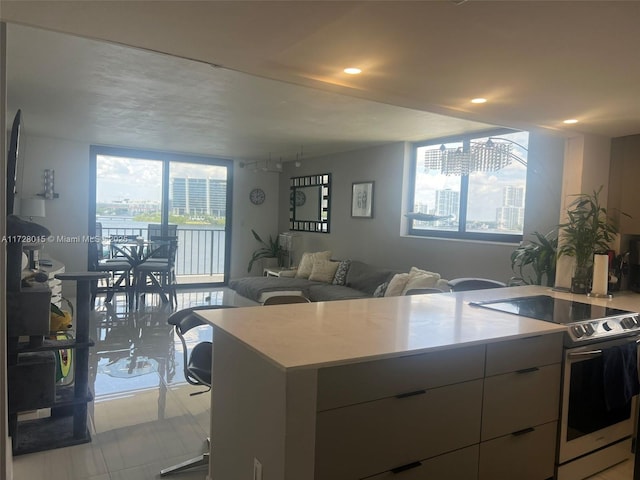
x=588, y=230
x=539, y=256
x=268, y=249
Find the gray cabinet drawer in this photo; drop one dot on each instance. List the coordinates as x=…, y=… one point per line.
x=513, y=355
x=459, y=465
x=362, y=382
x=529, y=456
x=514, y=401
x=372, y=437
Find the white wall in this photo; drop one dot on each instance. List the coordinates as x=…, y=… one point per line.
x=246, y=216
x=379, y=240
x=68, y=215
x=586, y=169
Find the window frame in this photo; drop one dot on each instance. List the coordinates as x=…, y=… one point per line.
x=461, y=233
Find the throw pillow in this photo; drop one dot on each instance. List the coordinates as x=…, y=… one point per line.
x=307, y=261
x=366, y=277
x=396, y=285
x=382, y=288
x=420, y=279
x=323, y=271
x=340, y=277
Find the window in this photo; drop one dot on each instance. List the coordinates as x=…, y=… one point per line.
x=470, y=187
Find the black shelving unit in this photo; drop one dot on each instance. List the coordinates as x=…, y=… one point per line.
x=67, y=424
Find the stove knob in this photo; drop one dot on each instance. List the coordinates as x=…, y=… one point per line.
x=633, y=321
x=626, y=323
x=589, y=330
x=578, y=331
x=606, y=326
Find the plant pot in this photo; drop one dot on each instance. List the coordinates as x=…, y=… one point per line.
x=270, y=262
x=581, y=281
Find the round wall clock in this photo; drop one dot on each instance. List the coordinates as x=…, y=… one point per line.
x=299, y=198
x=257, y=196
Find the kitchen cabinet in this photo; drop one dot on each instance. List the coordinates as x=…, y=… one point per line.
x=400, y=387
x=432, y=410
x=520, y=409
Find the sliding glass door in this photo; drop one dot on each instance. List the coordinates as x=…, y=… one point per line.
x=149, y=194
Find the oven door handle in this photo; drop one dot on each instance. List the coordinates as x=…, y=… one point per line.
x=589, y=353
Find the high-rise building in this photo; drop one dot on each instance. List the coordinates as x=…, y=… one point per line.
x=513, y=196
x=510, y=216
x=198, y=196
x=447, y=202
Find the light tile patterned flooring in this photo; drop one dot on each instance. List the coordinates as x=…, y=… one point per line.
x=143, y=417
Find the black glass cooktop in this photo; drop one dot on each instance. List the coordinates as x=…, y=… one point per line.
x=549, y=309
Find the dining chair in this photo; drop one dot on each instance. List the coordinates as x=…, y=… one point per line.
x=283, y=299
x=196, y=368
x=155, y=230
x=120, y=275
x=156, y=272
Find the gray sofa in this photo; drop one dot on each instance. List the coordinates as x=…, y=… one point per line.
x=361, y=281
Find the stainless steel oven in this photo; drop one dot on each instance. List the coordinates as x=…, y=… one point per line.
x=592, y=437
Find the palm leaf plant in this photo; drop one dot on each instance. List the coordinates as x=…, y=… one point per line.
x=269, y=249
x=538, y=256
x=588, y=230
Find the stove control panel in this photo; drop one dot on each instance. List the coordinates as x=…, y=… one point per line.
x=590, y=330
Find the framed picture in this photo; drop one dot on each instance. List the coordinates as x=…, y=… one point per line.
x=362, y=200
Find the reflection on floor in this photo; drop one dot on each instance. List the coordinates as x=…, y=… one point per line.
x=143, y=417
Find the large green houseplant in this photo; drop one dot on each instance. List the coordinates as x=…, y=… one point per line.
x=268, y=249
x=537, y=256
x=588, y=230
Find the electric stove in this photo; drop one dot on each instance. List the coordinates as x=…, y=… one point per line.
x=585, y=322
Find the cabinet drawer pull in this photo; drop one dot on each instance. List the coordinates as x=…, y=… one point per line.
x=411, y=394
x=523, y=431
x=406, y=467
x=528, y=370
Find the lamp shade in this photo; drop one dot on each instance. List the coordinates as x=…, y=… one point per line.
x=32, y=207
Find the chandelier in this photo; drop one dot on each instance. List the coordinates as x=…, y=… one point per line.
x=489, y=156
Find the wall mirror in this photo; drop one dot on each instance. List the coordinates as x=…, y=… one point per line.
x=309, y=203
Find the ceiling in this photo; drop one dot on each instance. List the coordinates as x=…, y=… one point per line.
x=537, y=63
x=89, y=91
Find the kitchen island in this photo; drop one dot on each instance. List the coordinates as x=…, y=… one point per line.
x=418, y=385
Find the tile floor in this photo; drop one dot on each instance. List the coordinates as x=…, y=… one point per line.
x=144, y=418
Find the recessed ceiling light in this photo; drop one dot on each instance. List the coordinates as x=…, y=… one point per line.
x=570, y=121
x=352, y=70
x=478, y=100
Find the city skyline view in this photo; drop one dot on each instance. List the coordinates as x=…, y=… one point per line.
x=487, y=207
x=120, y=178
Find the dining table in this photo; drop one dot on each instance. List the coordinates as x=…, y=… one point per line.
x=137, y=250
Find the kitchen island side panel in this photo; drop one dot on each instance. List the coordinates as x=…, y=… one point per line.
x=248, y=416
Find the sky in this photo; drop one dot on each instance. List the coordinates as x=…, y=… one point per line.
x=136, y=179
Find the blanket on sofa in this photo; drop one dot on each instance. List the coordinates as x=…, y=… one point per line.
x=254, y=287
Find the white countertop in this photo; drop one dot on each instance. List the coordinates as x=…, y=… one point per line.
x=331, y=333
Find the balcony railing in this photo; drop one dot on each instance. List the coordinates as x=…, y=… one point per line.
x=200, y=251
